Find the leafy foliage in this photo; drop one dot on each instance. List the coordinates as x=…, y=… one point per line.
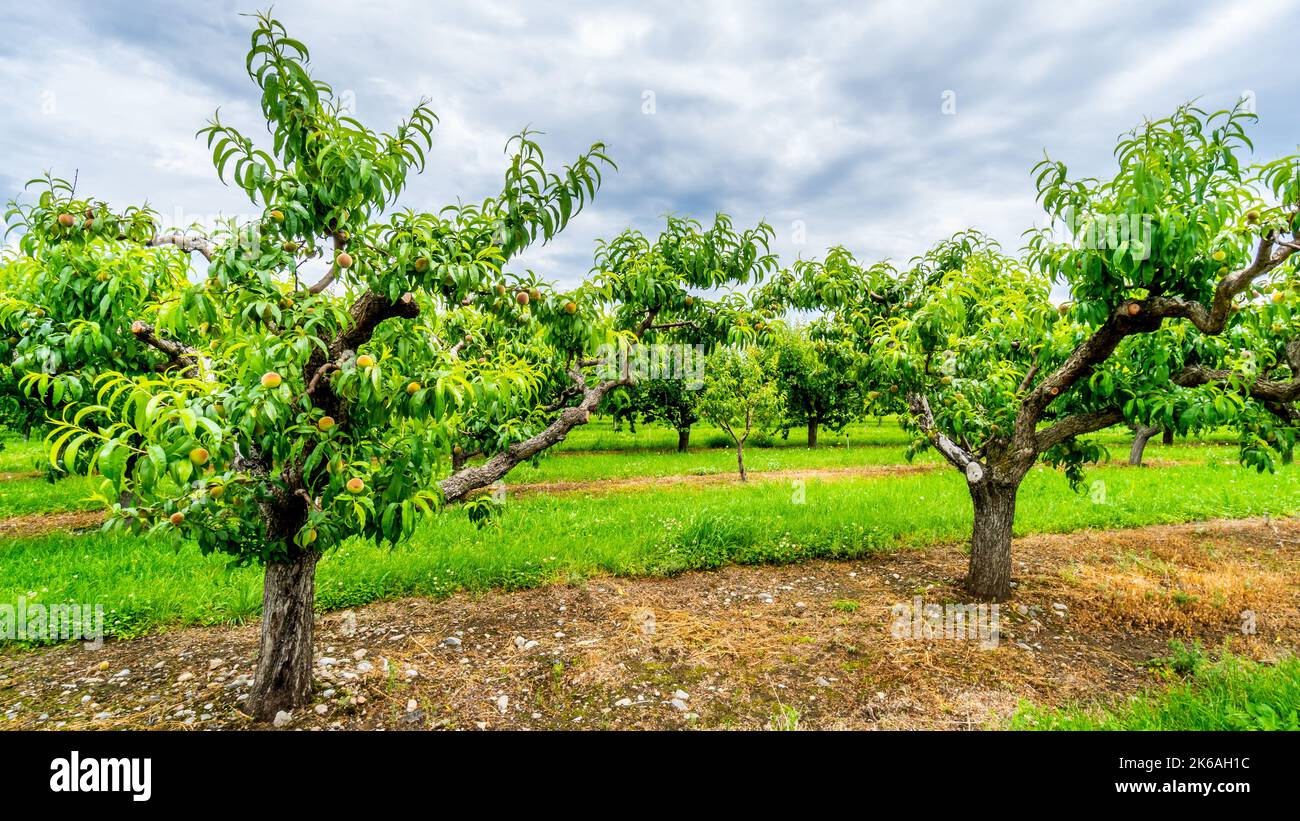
x=259, y=413
x=739, y=393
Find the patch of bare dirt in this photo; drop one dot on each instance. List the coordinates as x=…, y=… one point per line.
x=29, y=474
x=40, y=524
x=635, y=483
x=808, y=645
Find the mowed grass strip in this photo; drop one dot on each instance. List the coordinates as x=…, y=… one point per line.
x=146, y=584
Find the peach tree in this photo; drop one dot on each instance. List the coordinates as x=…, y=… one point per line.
x=1165, y=262
x=311, y=381
x=741, y=396
x=671, y=402
x=819, y=372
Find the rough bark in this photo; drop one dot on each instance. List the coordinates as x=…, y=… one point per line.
x=180, y=356
x=812, y=431
x=1141, y=435
x=989, y=576
x=683, y=439
x=1167, y=438
x=284, y=662
x=188, y=243
x=740, y=461
x=367, y=312
x=467, y=480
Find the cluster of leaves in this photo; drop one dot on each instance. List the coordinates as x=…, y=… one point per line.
x=688, y=280
x=974, y=333
x=76, y=283
x=1180, y=212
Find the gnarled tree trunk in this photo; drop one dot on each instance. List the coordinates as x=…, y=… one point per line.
x=283, y=677
x=683, y=439
x=812, y=431
x=1167, y=438
x=989, y=576
x=1141, y=435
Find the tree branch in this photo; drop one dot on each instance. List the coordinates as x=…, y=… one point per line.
x=320, y=374
x=956, y=456
x=179, y=354
x=1077, y=425
x=330, y=275
x=186, y=243
x=1144, y=316
x=648, y=321
x=667, y=326
x=1263, y=390
x=367, y=312
x=460, y=484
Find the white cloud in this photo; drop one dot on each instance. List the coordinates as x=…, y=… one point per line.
x=829, y=115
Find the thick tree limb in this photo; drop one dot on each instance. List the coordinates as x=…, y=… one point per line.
x=1277, y=397
x=180, y=355
x=367, y=312
x=186, y=242
x=1263, y=390
x=954, y=453
x=1077, y=425
x=648, y=321
x=469, y=479
x=1143, y=316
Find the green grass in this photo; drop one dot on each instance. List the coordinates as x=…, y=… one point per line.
x=1230, y=694
x=149, y=583
x=643, y=462
x=23, y=497
x=19, y=456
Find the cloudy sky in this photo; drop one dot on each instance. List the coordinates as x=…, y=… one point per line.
x=828, y=115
